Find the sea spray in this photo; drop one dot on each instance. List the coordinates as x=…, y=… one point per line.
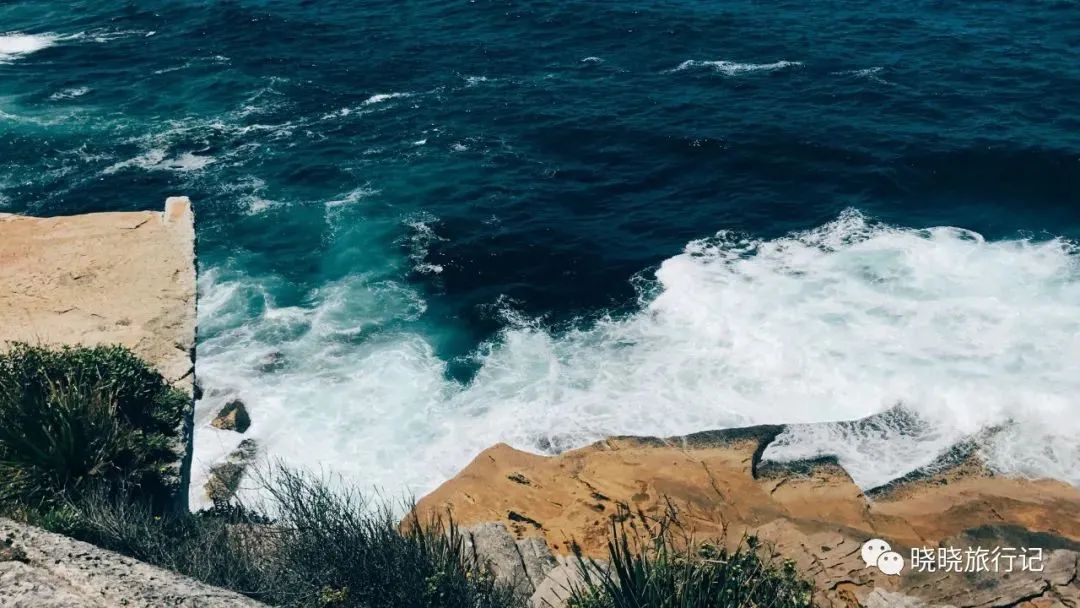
x=840, y=322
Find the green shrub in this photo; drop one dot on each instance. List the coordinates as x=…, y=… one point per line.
x=76, y=418
x=308, y=546
x=669, y=572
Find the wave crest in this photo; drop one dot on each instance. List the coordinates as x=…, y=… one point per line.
x=733, y=68
x=14, y=45
x=836, y=323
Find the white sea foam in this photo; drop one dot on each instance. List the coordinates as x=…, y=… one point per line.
x=383, y=97
x=871, y=73
x=71, y=93
x=103, y=35
x=14, y=45
x=733, y=68
x=836, y=323
x=352, y=197
x=339, y=113
x=158, y=160
x=418, y=242
x=250, y=191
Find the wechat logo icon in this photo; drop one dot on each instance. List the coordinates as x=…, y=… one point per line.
x=878, y=554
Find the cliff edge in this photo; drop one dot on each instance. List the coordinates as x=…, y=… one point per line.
x=104, y=278
x=39, y=569
x=124, y=278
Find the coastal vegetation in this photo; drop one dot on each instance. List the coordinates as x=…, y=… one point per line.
x=306, y=546
x=72, y=419
x=89, y=446
x=666, y=568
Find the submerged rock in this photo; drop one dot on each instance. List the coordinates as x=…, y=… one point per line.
x=271, y=362
x=225, y=478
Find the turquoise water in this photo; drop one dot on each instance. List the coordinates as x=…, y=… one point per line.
x=425, y=227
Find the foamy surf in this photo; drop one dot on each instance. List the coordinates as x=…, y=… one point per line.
x=836, y=323
x=733, y=68
x=871, y=73
x=15, y=45
x=384, y=97
x=71, y=93
x=158, y=160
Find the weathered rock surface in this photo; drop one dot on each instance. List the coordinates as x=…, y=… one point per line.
x=233, y=417
x=107, y=278
x=225, y=478
x=810, y=512
x=523, y=563
x=104, y=278
x=44, y=570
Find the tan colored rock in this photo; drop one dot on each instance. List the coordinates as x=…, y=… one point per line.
x=810, y=512
x=104, y=278
x=225, y=478
x=58, y=572
x=232, y=417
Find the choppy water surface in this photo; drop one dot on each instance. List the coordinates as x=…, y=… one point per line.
x=426, y=227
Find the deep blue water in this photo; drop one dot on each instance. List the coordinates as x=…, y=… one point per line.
x=407, y=184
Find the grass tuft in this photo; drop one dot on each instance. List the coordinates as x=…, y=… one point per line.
x=77, y=418
x=673, y=571
x=309, y=545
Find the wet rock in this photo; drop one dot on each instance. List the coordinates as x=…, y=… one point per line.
x=225, y=478
x=233, y=417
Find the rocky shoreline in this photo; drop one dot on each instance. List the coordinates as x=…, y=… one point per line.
x=129, y=278
x=810, y=512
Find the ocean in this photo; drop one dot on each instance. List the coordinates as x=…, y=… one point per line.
x=427, y=227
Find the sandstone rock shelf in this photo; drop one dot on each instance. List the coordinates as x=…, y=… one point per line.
x=123, y=278
x=104, y=278
x=811, y=512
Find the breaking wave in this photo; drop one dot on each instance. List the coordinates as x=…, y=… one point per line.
x=733, y=68
x=836, y=323
x=14, y=45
